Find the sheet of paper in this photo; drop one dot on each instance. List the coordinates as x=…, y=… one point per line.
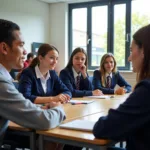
x=99, y=97
x=81, y=101
x=84, y=125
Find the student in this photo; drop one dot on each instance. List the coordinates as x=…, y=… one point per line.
x=131, y=120
x=75, y=76
x=13, y=106
x=30, y=57
x=108, y=77
x=39, y=82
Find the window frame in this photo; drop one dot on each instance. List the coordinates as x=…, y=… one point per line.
x=110, y=33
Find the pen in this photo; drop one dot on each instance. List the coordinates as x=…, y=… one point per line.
x=77, y=103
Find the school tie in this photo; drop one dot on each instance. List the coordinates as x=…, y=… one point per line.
x=78, y=83
x=108, y=82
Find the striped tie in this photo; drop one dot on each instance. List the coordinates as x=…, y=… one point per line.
x=108, y=82
x=78, y=83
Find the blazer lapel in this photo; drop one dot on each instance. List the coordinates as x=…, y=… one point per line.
x=72, y=77
x=49, y=86
x=113, y=80
x=40, y=86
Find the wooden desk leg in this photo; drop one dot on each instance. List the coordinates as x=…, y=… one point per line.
x=41, y=142
x=32, y=141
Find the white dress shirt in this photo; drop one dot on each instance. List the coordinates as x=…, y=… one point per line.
x=75, y=74
x=42, y=78
x=107, y=74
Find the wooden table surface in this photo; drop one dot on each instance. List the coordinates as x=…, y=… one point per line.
x=80, y=136
x=91, y=112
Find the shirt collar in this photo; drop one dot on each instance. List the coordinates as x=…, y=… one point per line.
x=107, y=74
x=39, y=74
x=75, y=73
x=5, y=72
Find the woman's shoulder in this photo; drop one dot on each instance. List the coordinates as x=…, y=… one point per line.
x=28, y=70
x=97, y=72
x=53, y=72
x=117, y=74
x=65, y=70
x=144, y=83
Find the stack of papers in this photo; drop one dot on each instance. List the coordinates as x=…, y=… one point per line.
x=84, y=125
x=81, y=101
x=100, y=97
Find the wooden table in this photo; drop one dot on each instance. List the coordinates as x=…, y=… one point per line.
x=74, y=137
x=99, y=105
x=88, y=111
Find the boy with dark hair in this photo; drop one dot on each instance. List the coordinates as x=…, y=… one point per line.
x=13, y=106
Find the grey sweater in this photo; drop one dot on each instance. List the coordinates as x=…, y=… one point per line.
x=14, y=107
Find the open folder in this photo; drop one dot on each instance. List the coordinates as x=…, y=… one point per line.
x=83, y=125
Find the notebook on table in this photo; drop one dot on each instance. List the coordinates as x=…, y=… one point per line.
x=83, y=125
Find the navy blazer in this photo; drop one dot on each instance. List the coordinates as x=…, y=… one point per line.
x=130, y=121
x=116, y=79
x=67, y=76
x=30, y=86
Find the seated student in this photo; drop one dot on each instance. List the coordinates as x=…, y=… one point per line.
x=13, y=106
x=131, y=120
x=30, y=57
x=108, y=77
x=75, y=76
x=39, y=82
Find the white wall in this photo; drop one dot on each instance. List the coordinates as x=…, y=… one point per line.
x=31, y=15
x=59, y=31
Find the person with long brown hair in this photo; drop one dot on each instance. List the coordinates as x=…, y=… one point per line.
x=75, y=75
x=107, y=77
x=131, y=120
x=39, y=82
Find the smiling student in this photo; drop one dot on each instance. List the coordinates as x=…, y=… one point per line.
x=107, y=77
x=131, y=120
x=13, y=105
x=75, y=76
x=39, y=82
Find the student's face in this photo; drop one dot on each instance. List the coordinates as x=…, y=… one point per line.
x=136, y=57
x=50, y=60
x=109, y=64
x=30, y=60
x=78, y=60
x=15, y=55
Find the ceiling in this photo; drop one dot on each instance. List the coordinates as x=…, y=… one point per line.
x=67, y=1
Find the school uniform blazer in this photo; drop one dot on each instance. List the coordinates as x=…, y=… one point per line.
x=130, y=121
x=116, y=79
x=30, y=86
x=14, y=107
x=67, y=76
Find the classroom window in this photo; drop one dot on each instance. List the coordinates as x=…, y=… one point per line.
x=103, y=26
x=79, y=28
